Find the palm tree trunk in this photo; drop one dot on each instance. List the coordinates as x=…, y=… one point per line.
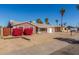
x=61, y=21
x=57, y=24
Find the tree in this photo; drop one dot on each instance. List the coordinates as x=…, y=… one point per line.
x=62, y=11
x=56, y=21
x=10, y=24
x=39, y=21
x=32, y=22
x=77, y=6
x=65, y=24
x=46, y=21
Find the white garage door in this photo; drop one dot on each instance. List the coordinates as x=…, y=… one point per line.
x=49, y=30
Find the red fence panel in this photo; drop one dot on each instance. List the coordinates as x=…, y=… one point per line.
x=17, y=31
x=28, y=31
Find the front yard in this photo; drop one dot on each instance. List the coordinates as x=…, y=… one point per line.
x=42, y=43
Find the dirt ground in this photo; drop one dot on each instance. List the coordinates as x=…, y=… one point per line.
x=38, y=43
x=68, y=50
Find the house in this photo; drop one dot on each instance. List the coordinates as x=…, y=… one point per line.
x=37, y=28
x=72, y=28
x=65, y=29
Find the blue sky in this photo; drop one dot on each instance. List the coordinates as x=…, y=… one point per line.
x=27, y=12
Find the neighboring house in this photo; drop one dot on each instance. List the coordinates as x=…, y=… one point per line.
x=65, y=29
x=77, y=29
x=73, y=29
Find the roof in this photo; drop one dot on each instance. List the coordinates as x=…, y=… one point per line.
x=43, y=25
x=14, y=23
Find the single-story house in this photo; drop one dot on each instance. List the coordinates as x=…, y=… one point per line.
x=37, y=28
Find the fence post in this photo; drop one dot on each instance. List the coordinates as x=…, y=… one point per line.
x=1, y=32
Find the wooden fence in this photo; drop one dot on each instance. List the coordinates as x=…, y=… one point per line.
x=16, y=32
x=6, y=31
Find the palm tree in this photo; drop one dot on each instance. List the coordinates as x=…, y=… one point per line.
x=56, y=21
x=65, y=24
x=46, y=21
x=77, y=6
x=62, y=11
x=39, y=21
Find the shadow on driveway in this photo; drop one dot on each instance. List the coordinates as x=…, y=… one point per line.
x=68, y=40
